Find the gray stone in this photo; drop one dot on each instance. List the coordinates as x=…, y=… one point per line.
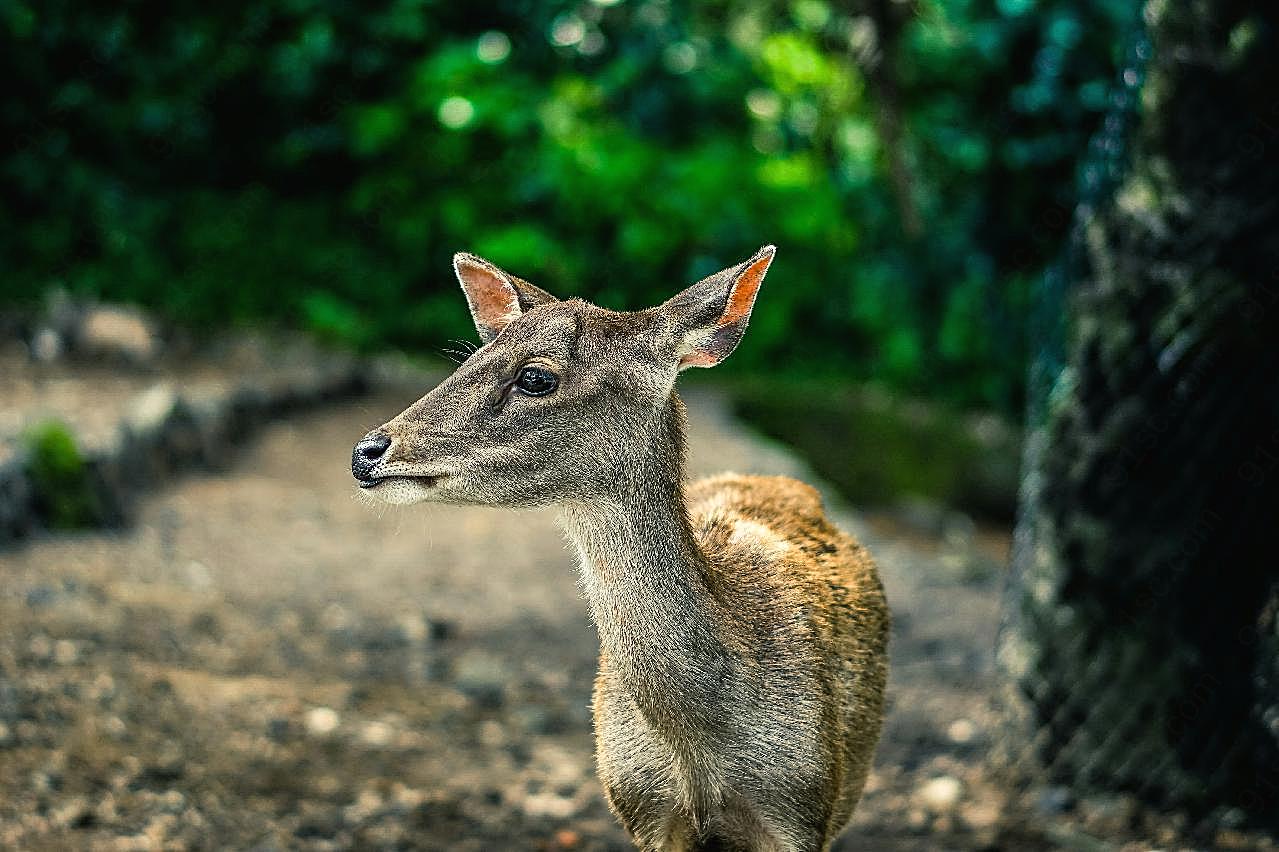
x=117, y=332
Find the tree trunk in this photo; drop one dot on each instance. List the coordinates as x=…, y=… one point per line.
x=1142, y=620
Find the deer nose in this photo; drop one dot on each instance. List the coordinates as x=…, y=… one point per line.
x=367, y=453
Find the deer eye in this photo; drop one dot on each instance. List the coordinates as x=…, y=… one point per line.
x=536, y=381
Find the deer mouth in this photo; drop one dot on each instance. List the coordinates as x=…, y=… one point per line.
x=425, y=481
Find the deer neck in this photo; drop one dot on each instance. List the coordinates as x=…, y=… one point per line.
x=661, y=627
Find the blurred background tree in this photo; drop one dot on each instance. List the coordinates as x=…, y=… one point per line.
x=316, y=163
x=1144, y=612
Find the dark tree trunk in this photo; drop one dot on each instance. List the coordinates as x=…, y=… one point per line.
x=1142, y=632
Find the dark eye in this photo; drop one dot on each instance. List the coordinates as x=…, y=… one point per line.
x=536, y=381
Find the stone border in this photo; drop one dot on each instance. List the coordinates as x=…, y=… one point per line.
x=167, y=430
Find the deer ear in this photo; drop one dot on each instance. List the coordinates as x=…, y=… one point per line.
x=496, y=298
x=710, y=317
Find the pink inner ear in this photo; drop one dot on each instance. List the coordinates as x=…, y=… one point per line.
x=744, y=290
x=493, y=300
x=698, y=358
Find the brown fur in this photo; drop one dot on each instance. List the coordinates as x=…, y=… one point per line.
x=743, y=637
x=799, y=605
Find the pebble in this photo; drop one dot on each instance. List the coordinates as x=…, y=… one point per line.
x=492, y=734
x=549, y=805
x=173, y=801
x=961, y=731
x=102, y=688
x=335, y=617
x=941, y=794
x=76, y=813
x=40, y=648
x=120, y=332
x=65, y=652
x=482, y=678
x=47, y=345
x=322, y=721
x=366, y=804
x=377, y=734
x=566, y=838
x=198, y=575
x=1054, y=800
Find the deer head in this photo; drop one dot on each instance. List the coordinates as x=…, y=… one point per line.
x=563, y=401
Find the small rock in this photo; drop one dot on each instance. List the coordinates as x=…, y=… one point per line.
x=1055, y=800
x=482, y=678
x=47, y=345
x=961, y=731
x=366, y=804
x=198, y=575
x=74, y=814
x=322, y=721
x=118, y=332
x=46, y=782
x=335, y=617
x=566, y=838
x=158, y=829
x=40, y=648
x=133, y=843
x=173, y=801
x=65, y=652
x=492, y=734
x=549, y=805
x=103, y=688
x=106, y=810
x=941, y=794
x=377, y=734
x=6, y=735
x=414, y=627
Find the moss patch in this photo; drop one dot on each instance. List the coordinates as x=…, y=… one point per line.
x=63, y=486
x=880, y=450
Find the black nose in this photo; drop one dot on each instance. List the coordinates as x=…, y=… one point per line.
x=367, y=453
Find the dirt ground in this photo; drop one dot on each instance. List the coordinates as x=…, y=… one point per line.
x=266, y=661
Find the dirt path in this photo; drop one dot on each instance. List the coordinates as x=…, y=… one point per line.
x=264, y=661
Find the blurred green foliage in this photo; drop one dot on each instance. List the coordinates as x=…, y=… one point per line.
x=878, y=449
x=317, y=163
x=60, y=477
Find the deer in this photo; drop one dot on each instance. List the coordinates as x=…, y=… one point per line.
x=743, y=636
